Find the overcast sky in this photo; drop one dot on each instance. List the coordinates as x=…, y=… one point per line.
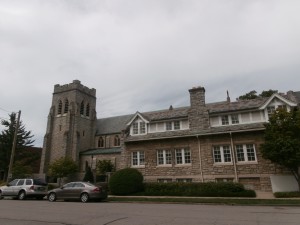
x=143, y=55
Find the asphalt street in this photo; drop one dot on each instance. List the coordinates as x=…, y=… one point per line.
x=32, y=212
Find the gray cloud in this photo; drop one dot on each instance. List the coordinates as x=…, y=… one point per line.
x=143, y=55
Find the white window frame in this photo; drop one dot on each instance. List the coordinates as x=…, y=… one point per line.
x=221, y=149
x=138, y=127
x=138, y=159
x=183, y=156
x=246, y=153
x=170, y=125
x=166, y=156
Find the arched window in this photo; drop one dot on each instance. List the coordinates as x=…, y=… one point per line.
x=66, y=106
x=87, y=112
x=117, y=141
x=82, y=108
x=59, y=107
x=100, y=142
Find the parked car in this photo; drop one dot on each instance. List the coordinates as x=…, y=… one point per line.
x=25, y=188
x=82, y=191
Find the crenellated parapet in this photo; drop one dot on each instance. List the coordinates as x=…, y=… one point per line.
x=75, y=85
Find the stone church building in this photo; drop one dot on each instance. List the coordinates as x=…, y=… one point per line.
x=218, y=141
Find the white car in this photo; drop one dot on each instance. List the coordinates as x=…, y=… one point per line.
x=25, y=188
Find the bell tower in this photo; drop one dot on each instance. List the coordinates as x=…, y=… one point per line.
x=71, y=123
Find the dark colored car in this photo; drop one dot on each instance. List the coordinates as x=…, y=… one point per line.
x=25, y=188
x=82, y=191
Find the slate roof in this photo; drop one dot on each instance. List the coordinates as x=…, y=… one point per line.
x=114, y=125
x=239, y=105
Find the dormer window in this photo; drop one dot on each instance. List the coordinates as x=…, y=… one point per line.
x=225, y=120
x=235, y=119
x=138, y=127
x=173, y=125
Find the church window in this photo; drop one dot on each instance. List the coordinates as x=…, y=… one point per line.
x=59, y=107
x=100, y=142
x=117, y=141
x=82, y=108
x=66, y=106
x=87, y=112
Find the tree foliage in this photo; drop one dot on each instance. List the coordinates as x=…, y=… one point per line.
x=104, y=166
x=253, y=94
x=62, y=167
x=24, y=138
x=282, y=140
x=89, y=176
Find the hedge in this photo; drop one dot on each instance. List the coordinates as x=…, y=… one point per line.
x=209, y=189
x=294, y=194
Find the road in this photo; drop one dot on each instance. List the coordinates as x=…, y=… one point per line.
x=31, y=212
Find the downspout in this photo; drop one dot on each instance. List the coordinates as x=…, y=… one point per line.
x=200, y=159
x=233, y=158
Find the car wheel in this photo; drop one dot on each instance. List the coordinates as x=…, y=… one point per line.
x=1, y=195
x=52, y=197
x=21, y=195
x=84, y=197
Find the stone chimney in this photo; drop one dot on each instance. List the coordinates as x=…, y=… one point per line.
x=198, y=114
x=197, y=96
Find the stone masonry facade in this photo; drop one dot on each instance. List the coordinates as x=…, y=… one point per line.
x=203, y=142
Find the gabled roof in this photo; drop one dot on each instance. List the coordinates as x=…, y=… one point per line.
x=275, y=95
x=112, y=125
x=140, y=115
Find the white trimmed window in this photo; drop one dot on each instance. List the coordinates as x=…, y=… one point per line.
x=138, y=158
x=225, y=120
x=138, y=127
x=168, y=125
x=183, y=156
x=173, y=125
x=164, y=157
x=245, y=153
x=222, y=154
x=235, y=119
x=176, y=125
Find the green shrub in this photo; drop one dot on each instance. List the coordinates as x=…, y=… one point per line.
x=126, y=181
x=209, y=189
x=294, y=194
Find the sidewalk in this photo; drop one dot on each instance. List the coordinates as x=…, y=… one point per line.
x=264, y=195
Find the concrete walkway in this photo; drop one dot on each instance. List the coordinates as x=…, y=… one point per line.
x=264, y=195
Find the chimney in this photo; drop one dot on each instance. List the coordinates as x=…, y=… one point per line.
x=197, y=97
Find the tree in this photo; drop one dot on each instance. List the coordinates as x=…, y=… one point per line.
x=89, y=176
x=24, y=138
x=249, y=95
x=253, y=94
x=282, y=140
x=62, y=167
x=268, y=93
x=104, y=166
